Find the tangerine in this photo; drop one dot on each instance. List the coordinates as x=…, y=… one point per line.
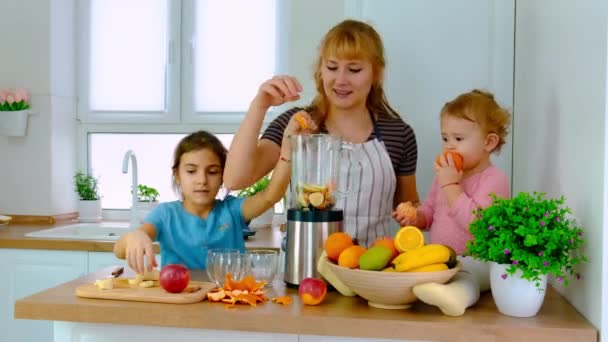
x=457, y=157
x=350, y=256
x=336, y=243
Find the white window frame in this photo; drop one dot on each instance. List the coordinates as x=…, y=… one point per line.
x=171, y=114
x=180, y=111
x=180, y=116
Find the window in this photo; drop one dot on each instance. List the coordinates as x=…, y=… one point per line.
x=174, y=62
x=152, y=71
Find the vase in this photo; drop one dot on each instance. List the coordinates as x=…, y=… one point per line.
x=13, y=123
x=513, y=295
x=89, y=211
x=143, y=209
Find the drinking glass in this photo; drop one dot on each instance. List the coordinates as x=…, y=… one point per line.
x=263, y=265
x=221, y=262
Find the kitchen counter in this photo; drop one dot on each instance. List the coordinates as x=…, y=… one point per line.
x=13, y=236
x=337, y=316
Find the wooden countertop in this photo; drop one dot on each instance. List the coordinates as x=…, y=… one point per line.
x=337, y=316
x=13, y=236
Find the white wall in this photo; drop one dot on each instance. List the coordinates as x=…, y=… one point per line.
x=37, y=54
x=560, y=110
x=437, y=50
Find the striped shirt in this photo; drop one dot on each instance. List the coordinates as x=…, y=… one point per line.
x=398, y=137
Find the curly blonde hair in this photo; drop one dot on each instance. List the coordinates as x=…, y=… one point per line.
x=480, y=107
x=352, y=39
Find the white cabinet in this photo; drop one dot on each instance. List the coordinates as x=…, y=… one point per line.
x=25, y=272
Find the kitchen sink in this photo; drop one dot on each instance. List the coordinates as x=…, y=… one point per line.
x=110, y=231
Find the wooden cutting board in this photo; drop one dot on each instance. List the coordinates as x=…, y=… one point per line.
x=195, y=292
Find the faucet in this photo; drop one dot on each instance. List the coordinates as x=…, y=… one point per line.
x=134, y=222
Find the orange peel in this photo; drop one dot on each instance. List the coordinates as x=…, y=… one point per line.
x=285, y=300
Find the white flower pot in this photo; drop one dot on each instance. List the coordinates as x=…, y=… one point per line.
x=89, y=211
x=144, y=208
x=264, y=220
x=13, y=123
x=513, y=295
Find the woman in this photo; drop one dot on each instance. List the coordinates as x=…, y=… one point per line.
x=350, y=103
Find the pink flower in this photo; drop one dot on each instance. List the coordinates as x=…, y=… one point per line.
x=3, y=94
x=21, y=94
x=10, y=99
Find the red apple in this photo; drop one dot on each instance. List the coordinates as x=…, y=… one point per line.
x=174, y=278
x=312, y=291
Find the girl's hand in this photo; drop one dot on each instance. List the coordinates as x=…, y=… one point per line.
x=138, y=245
x=406, y=214
x=277, y=91
x=446, y=171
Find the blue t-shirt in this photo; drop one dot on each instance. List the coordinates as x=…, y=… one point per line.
x=185, y=238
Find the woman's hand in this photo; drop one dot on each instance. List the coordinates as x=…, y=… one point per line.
x=277, y=91
x=138, y=245
x=446, y=171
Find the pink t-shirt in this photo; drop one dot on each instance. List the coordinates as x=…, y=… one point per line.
x=450, y=226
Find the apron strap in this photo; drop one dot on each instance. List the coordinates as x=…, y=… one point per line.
x=376, y=129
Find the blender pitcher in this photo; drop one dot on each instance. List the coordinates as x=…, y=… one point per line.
x=312, y=214
x=315, y=171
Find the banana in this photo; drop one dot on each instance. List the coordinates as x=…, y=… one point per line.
x=430, y=268
x=426, y=255
x=105, y=284
x=331, y=278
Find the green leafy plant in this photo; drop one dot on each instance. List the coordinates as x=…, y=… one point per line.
x=146, y=193
x=530, y=233
x=258, y=186
x=86, y=187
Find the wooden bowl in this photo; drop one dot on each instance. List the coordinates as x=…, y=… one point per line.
x=388, y=290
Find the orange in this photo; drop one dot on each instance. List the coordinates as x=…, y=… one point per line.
x=457, y=157
x=408, y=238
x=387, y=242
x=336, y=243
x=350, y=256
x=299, y=116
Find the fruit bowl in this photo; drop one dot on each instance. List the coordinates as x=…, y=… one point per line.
x=388, y=290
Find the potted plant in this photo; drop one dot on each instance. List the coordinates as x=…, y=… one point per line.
x=89, y=206
x=265, y=219
x=146, y=200
x=525, y=238
x=14, y=109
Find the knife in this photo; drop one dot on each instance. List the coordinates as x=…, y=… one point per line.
x=117, y=272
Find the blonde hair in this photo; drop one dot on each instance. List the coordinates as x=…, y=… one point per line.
x=352, y=39
x=480, y=107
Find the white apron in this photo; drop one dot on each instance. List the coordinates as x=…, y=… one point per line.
x=368, y=173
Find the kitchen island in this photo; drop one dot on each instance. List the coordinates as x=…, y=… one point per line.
x=337, y=319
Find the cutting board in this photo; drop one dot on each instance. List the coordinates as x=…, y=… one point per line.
x=195, y=292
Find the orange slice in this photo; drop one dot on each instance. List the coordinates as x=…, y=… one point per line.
x=299, y=116
x=408, y=238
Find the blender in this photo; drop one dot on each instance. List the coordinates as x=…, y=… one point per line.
x=312, y=214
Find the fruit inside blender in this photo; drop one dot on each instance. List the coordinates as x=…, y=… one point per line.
x=315, y=196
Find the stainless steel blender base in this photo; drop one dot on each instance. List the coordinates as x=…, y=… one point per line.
x=304, y=245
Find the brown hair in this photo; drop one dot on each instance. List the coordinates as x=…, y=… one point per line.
x=480, y=107
x=194, y=142
x=352, y=39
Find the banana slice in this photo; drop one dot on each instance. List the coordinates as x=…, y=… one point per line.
x=147, y=283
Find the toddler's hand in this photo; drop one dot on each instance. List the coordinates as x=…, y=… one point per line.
x=406, y=214
x=138, y=245
x=446, y=171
